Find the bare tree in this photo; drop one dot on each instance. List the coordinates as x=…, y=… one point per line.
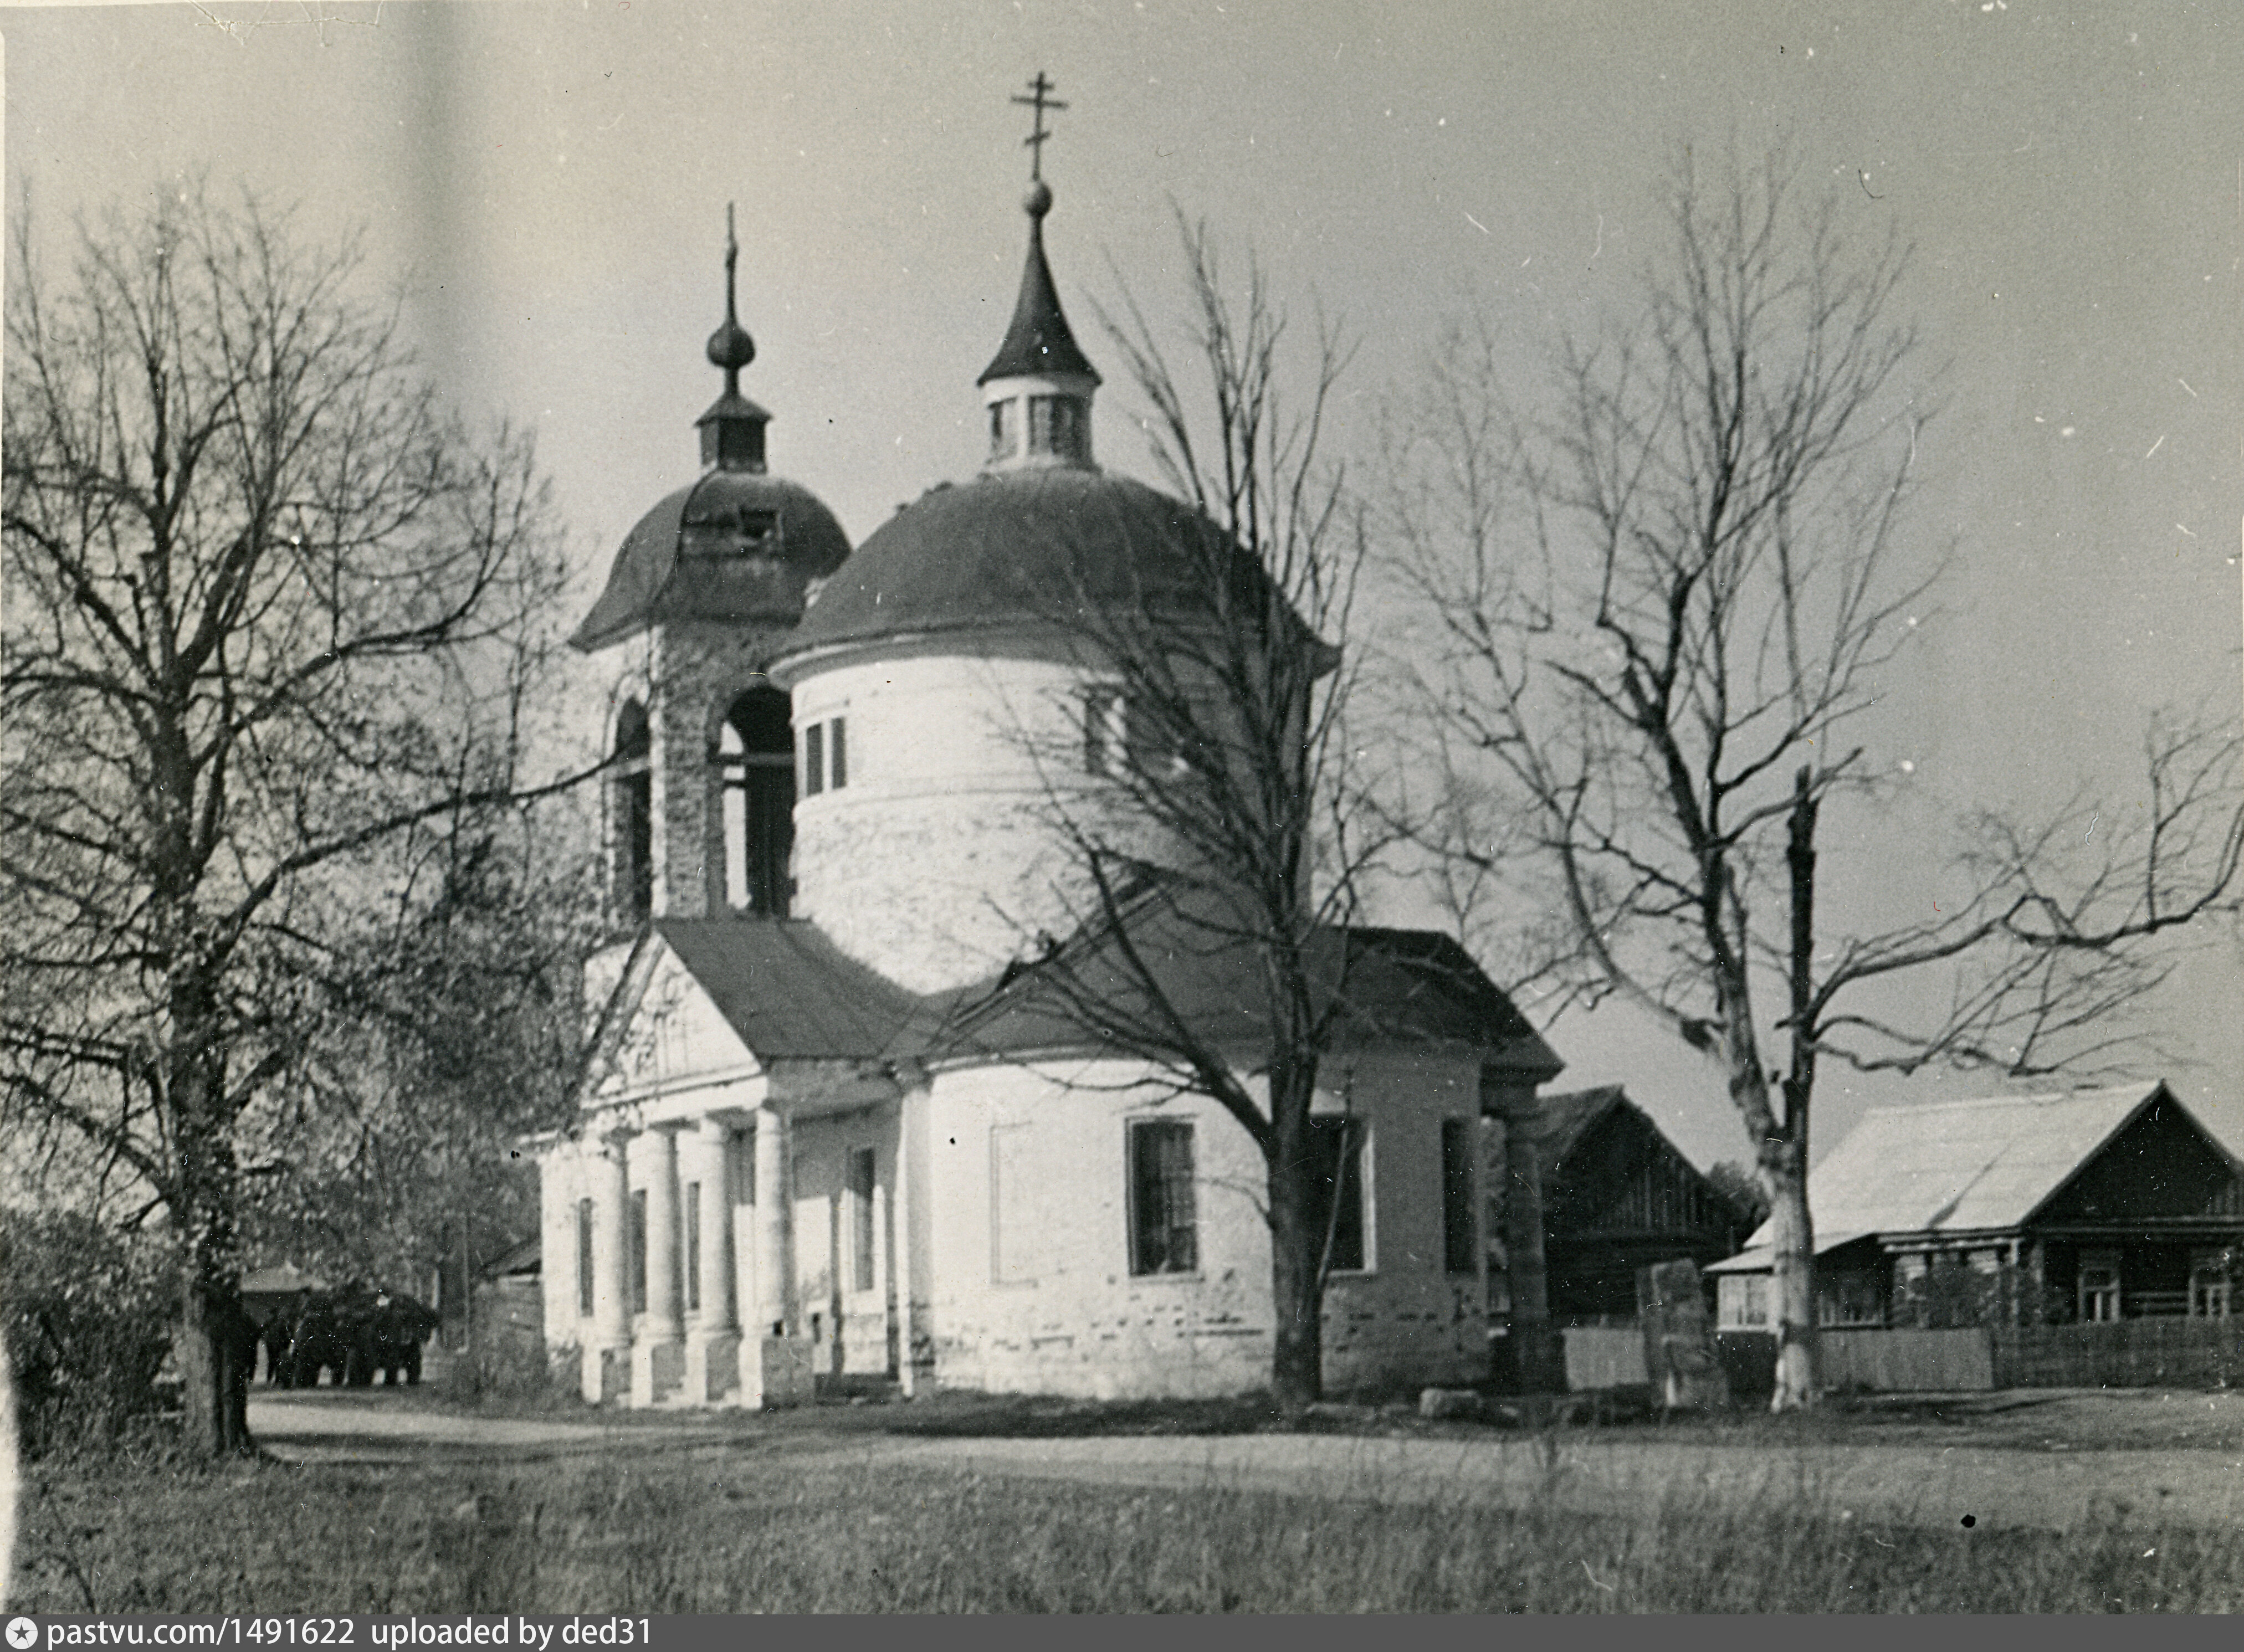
x=1216, y=836
x=1649, y=624
x=269, y=607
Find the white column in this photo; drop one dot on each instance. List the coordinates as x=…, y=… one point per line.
x=712, y=1343
x=607, y=1354
x=776, y=1313
x=900, y=1242
x=556, y=1244
x=658, y=1350
x=747, y=1310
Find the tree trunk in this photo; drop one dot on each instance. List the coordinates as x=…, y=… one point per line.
x=1793, y=1285
x=1539, y=1361
x=217, y=1351
x=1296, y=1289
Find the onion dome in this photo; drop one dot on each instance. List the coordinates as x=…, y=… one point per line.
x=738, y=545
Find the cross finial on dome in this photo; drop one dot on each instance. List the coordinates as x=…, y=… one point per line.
x=732, y=430
x=730, y=347
x=1040, y=197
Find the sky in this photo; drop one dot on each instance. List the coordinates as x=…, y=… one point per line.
x=547, y=179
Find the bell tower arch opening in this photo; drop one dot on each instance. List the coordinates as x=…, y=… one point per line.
x=631, y=814
x=755, y=753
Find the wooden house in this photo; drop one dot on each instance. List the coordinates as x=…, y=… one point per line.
x=2090, y=1205
x=1616, y=1195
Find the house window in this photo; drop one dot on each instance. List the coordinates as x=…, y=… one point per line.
x=1849, y=1299
x=1756, y=1304
x=814, y=759
x=2099, y=1289
x=584, y=1258
x=694, y=1247
x=862, y=1223
x=1337, y=1203
x=1164, y=1218
x=638, y=1250
x=1459, y=1241
x=837, y=756
x=2210, y=1286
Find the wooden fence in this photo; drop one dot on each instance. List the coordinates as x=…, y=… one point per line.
x=2125, y=1353
x=2129, y=1354
x=1899, y=1362
x=1601, y=1357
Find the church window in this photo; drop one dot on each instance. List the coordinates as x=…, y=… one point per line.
x=638, y=1250
x=863, y=1210
x=584, y=1275
x=1164, y=1213
x=1056, y=425
x=814, y=759
x=1104, y=729
x=631, y=812
x=756, y=754
x=1004, y=428
x=1459, y=1241
x=1013, y=1228
x=694, y=1247
x=1337, y=1203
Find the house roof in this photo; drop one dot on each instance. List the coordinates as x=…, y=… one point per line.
x=1567, y=1119
x=791, y=993
x=1964, y=1167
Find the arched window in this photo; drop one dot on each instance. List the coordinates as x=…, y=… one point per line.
x=631, y=812
x=755, y=749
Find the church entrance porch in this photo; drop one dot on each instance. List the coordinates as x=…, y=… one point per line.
x=726, y=1256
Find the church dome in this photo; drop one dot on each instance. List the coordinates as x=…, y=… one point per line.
x=1017, y=548
x=737, y=545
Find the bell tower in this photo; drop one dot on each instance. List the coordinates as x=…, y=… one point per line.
x=698, y=804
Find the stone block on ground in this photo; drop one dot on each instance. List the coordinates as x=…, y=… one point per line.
x=1452, y=1403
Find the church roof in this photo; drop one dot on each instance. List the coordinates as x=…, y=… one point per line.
x=1039, y=341
x=789, y=993
x=736, y=545
x=1023, y=548
x=1384, y=986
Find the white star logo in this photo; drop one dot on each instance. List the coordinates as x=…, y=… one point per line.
x=22, y=1633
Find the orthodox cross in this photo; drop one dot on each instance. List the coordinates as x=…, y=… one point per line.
x=1040, y=101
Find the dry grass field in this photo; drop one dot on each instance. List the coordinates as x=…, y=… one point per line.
x=973, y=1505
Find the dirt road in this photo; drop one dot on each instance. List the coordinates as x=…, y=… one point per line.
x=1929, y=1484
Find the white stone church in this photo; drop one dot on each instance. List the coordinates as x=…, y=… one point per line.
x=827, y=843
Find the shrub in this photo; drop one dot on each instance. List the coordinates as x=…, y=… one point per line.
x=88, y=1322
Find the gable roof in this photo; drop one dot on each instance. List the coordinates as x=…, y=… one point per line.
x=1383, y=984
x=1969, y=1166
x=789, y=992
x=1567, y=1119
